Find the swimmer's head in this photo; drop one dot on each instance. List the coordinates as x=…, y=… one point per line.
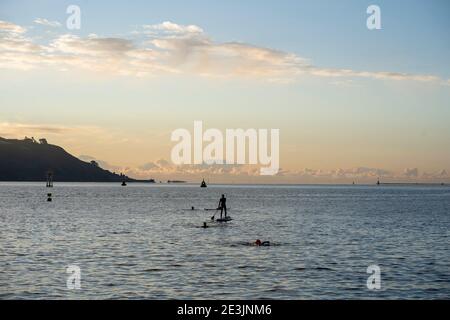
x=258, y=242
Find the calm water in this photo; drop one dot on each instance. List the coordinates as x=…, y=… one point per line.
x=140, y=242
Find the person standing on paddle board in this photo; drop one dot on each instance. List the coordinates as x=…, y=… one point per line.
x=223, y=206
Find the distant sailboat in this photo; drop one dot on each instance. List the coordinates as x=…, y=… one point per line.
x=203, y=185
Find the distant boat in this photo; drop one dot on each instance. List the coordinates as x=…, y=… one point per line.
x=203, y=185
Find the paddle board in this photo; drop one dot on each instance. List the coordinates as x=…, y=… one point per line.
x=224, y=219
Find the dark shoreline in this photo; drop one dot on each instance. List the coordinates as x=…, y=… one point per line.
x=391, y=184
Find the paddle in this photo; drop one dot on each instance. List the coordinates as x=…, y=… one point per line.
x=212, y=218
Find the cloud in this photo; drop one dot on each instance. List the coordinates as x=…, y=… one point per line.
x=441, y=174
x=16, y=50
x=339, y=73
x=91, y=46
x=164, y=170
x=165, y=167
x=148, y=166
x=102, y=164
x=200, y=55
x=411, y=173
x=12, y=40
x=352, y=174
x=19, y=130
x=170, y=48
x=70, y=136
x=8, y=27
x=173, y=28
x=47, y=23
x=8, y=129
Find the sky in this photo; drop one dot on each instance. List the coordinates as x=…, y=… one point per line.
x=351, y=104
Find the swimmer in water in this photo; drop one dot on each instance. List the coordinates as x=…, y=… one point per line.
x=261, y=244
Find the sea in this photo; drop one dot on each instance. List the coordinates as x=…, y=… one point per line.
x=144, y=241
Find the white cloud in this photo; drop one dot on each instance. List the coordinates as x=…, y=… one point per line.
x=164, y=170
x=441, y=174
x=91, y=46
x=170, y=48
x=8, y=27
x=16, y=50
x=411, y=172
x=47, y=23
x=170, y=27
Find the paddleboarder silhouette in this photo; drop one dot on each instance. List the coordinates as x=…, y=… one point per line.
x=223, y=206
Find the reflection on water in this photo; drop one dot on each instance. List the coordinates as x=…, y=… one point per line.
x=141, y=242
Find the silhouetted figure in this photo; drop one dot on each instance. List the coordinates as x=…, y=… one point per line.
x=203, y=185
x=223, y=206
x=49, y=179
